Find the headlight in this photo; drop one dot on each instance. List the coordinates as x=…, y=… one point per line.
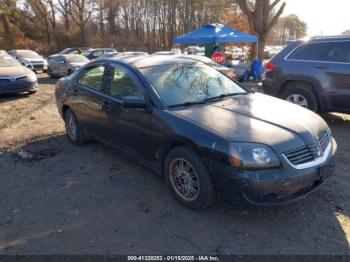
x=253, y=156
x=26, y=63
x=32, y=77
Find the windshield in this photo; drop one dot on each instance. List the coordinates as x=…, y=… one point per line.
x=64, y=51
x=177, y=84
x=6, y=61
x=28, y=54
x=77, y=59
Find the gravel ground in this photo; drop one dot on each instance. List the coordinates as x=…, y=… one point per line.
x=57, y=198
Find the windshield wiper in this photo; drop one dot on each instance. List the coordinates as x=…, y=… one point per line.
x=223, y=96
x=189, y=103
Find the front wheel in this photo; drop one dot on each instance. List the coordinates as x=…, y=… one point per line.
x=188, y=178
x=74, y=130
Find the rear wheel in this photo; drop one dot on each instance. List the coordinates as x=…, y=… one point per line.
x=74, y=130
x=188, y=178
x=301, y=94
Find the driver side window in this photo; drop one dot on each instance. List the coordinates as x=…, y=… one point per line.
x=122, y=86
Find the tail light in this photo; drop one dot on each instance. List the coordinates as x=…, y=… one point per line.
x=270, y=66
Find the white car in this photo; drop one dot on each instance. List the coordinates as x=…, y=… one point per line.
x=30, y=59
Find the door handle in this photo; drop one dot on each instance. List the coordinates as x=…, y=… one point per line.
x=106, y=106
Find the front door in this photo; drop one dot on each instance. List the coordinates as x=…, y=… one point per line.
x=128, y=126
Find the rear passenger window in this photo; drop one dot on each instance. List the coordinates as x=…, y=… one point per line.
x=92, y=77
x=312, y=51
x=339, y=52
x=122, y=86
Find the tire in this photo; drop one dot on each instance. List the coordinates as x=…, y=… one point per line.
x=69, y=72
x=301, y=94
x=74, y=129
x=205, y=193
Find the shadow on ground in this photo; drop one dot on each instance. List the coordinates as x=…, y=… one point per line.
x=57, y=198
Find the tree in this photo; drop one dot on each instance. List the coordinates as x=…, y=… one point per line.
x=262, y=17
x=81, y=12
x=7, y=10
x=288, y=28
x=149, y=25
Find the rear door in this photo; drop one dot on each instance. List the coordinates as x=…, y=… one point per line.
x=128, y=127
x=337, y=75
x=307, y=59
x=88, y=100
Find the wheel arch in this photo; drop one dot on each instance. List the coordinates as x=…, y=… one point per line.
x=313, y=84
x=64, y=109
x=173, y=142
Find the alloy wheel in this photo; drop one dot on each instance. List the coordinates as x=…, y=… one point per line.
x=72, y=126
x=298, y=100
x=184, y=179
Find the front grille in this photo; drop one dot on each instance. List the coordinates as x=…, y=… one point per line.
x=11, y=79
x=308, y=153
x=38, y=66
x=323, y=141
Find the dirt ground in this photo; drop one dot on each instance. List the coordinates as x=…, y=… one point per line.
x=57, y=198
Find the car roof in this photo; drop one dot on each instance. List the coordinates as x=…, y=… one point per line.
x=322, y=39
x=19, y=50
x=328, y=38
x=70, y=55
x=153, y=60
x=102, y=48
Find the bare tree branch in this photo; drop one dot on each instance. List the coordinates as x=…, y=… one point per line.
x=274, y=20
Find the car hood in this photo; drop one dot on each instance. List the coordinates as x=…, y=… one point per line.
x=14, y=71
x=33, y=60
x=258, y=118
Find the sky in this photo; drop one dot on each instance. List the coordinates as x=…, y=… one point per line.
x=327, y=17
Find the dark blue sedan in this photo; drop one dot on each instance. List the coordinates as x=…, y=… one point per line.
x=209, y=137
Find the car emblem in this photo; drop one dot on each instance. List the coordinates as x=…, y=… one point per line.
x=319, y=153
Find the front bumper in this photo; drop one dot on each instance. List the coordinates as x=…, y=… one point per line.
x=39, y=67
x=17, y=87
x=272, y=187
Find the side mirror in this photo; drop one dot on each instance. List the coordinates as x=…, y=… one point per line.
x=134, y=103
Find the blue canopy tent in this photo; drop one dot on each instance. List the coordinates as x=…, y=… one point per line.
x=215, y=33
x=219, y=34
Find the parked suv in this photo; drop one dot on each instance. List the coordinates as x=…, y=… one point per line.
x=314, y=74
